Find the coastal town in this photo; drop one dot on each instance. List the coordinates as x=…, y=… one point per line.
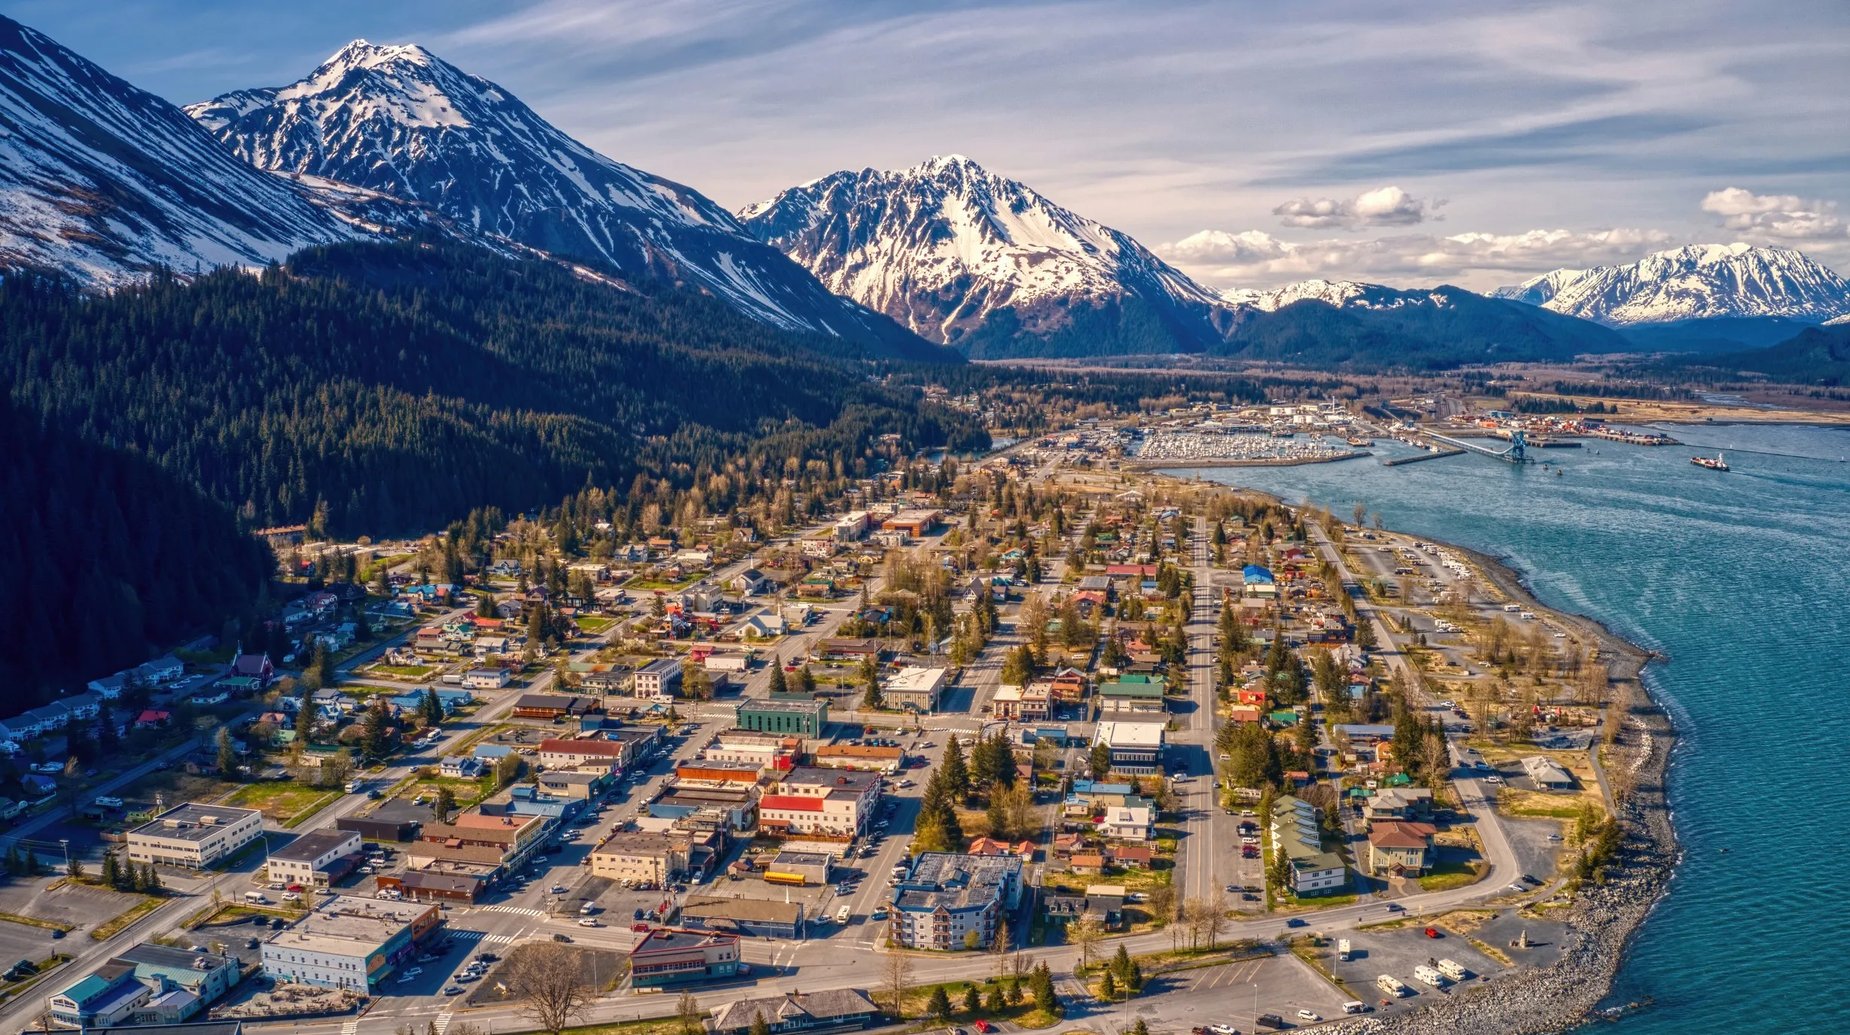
x=1037, y=740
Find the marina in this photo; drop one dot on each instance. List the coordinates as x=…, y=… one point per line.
x=1198, y=448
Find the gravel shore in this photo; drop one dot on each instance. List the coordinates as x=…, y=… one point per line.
x=1604, y=916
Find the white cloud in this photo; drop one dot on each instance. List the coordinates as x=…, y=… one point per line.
x=1256, y=259
x=1783, y=216
x=1383, y=206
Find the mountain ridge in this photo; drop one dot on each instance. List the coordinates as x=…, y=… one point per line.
x=400, y=121
x=1693, y=282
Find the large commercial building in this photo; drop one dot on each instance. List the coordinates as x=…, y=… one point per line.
x=914, y=689
x=668, y=957
x=659, y=678
x=1134, y=694
x=641, y=857
x=348, y=943
x=316, y=859
x=813, y=802
x=587, y=752
x=760, y=918
x=194, y=836
x=791, y=716
x=951, y=901
x=1136, y=747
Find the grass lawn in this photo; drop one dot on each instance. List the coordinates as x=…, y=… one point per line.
x=1452, y=873
x=110, y=928
x=178, y=785
x=1317, y=901
x=467, y=792
x=285, y=801
x=595, y=624
x=412, y=672
x=918, y=997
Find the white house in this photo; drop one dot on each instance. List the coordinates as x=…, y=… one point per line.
x=487, y=678
x=1128, y=823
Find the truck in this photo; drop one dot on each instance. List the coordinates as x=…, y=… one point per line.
x=1455, y=971
x=1391, y=985
x=1429, y=975
x=1342, y=949
x=354, y=786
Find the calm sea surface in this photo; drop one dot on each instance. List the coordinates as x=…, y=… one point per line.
x=1743, y=579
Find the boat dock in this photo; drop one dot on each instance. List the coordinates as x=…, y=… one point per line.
x=1417, y=457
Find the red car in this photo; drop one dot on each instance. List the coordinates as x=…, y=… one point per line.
x=1432, y=932
x=983, y=1026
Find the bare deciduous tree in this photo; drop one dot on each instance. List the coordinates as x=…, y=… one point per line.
x=548, y=979
x=898, y=976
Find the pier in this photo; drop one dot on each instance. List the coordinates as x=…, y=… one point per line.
x=1515, y=453
x=1417, y=457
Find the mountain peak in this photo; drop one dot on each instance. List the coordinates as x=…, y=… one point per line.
x=967, y=257
x=1698, y=281
x=400, y=121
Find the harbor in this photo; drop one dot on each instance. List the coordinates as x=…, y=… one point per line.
x=1217, y=449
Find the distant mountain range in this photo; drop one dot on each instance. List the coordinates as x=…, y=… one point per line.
x=1699, y=282
x=106, y=182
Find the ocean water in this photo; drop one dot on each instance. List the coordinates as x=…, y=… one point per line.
x=1743, y=580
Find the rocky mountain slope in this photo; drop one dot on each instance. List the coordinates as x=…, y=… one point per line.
x=107, y=182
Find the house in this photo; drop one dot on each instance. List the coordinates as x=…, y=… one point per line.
x=149, y=718
x=991, y=846
x=1408, y=803
x=487, y=678
x=1400, y=848
x=1128, y=823
x=1547, y=774
x=1133, y=857
x=839, y=649
x=462, y=767
x=749, y=582
x=835, y=1008
x=161, y=670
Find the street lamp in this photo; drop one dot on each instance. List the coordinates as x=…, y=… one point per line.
x=65, y=843
x=1255, y=985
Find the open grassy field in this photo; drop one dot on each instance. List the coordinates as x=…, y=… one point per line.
x=285, y=801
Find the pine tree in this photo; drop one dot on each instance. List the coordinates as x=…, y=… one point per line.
x=1108, y=987
x=433, y=707
x=955, y=770
x=779, y=685
x=112, y=870
x=870, y=678
x=227, y=757
x=1040, y=983
x=994, y=1002
x=940, y=1005
x=973, y=1001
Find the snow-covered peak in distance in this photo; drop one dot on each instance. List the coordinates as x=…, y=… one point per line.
x=966, y=257
x=1693, y=282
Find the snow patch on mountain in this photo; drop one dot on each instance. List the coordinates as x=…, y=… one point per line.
x=107, y=182
x=1695, y=282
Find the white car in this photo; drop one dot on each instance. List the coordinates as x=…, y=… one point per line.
x=1309, y=1015
x=107, y=801
x=589, y=922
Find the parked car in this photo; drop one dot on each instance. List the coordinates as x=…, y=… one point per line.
x=1309, y=1015
x=1432, y=932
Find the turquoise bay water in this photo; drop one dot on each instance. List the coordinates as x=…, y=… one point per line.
x=1741, y=579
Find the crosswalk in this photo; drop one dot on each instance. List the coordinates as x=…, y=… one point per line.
x=443, y=1022
x=480, y=937
x=516, y=910
x=350, y=1027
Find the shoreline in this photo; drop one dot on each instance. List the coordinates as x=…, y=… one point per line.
x=1158, y=466
x=1599, y=927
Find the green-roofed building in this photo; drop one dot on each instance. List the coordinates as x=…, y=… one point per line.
x=1136, y=692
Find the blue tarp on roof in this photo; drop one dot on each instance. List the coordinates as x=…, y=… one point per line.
x=1255, y=573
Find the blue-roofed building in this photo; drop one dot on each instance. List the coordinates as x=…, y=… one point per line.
x=1259, y=581
x=109, y=996
x=492, y=752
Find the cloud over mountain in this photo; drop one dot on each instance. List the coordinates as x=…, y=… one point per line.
x=1383, y=206
x=1784, y=216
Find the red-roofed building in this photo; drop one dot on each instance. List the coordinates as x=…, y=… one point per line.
x=1400, y=848
x=153, y=717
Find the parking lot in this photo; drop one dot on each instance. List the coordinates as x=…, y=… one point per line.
x=1397, y=951
x=1229, y=993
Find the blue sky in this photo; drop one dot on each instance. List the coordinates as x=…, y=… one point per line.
x=1252, y=143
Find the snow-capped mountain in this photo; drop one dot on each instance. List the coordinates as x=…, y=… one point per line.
x=986, y=264
x=1698, y=282
x=403, y=122
x=107, y=182
x=1343, y=294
